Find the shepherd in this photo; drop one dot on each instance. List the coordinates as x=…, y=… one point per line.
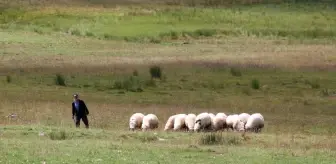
x=79, y=111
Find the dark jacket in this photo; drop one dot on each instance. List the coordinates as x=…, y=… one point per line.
x=83, y=110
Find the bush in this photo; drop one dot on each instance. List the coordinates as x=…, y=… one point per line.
x=219, y=139
x=255, y=84
x=60, y=80
x=155, y=72
x=8, y=79
x=135, y=73
x=131, y=83
x=205, y=32
x=314, y=84
x=147, y=138
x=235, y=72
x=58, y=135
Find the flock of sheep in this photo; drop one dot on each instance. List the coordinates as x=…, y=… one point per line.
x=202, y=122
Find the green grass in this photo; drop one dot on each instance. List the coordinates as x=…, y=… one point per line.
x=277, y=60
x=98, y=146
x=163, y=23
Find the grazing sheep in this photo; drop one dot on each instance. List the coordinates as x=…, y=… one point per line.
x=135, y=121
x=179, y=122
x=190, y=121
x=212, y=116
x=233, y=122
x=202, y=122
x=221, y=115
x=219, y=122
x=255, y=123
x=170, y=123
x=150, y=121
x=244, y=117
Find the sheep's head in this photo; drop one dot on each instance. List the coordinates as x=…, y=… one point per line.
x=197, y=125
x=132, y=124
x=240, y=126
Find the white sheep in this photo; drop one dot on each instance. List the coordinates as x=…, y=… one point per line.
x=221, y=115
x=190, y=121
x=135, y=121
x=255, y=123
x=244, y=117
x=170, y=123
x=212, y=116
x=202, y=122
x=150, y=121
x=233, y=122
x=218, y=123
x=179, y=122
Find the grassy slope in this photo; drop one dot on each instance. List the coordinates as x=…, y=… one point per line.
x=174, y=22
x=298, y=104
x=98, y=146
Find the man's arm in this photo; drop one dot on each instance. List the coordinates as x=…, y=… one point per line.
x=85, y=108
x=73, y=110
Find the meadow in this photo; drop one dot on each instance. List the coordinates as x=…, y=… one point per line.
x=278, y=59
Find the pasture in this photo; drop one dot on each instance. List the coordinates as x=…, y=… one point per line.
x=274, y=59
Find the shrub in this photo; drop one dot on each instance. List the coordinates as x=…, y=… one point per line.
x=60, y=80
x=144, y=137
x=235, y=72
x=314, y=84
x=131, y=83
x=58, y=135
x=219, y=139
x=155, y=72
x=135, y=73
x=75, y=32
x=255, y=84
x=8, y=79
x=205, y=32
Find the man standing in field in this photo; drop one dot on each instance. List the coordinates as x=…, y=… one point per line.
x=79, y=111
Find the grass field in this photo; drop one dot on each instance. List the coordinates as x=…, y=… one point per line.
x=275, y=59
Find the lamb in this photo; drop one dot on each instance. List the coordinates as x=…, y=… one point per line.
x=179, y=122
x=255, y=123
x=202, y=122
x=190, y=121
x=135, y=121
x=170, y=123
x=244, y=117
x=233, y=122
x=150, y=121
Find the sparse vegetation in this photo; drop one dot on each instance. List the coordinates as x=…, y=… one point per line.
x=8, y=79
x=58, y=135
x=219, y=139
x=166, y=59
x=235, y=72
x=255, y=84
x=60, y=80
x=155, y=72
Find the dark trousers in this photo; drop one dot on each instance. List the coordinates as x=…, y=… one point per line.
x=84, y=119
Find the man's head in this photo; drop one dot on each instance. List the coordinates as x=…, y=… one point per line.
x=75, y=97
